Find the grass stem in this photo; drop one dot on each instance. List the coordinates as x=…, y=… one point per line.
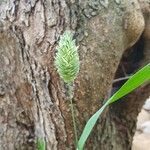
x=73, y=114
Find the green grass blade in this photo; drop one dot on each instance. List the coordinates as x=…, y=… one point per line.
x=136, y=80
x=89, y=126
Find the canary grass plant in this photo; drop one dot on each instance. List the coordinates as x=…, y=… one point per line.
x=67, y=64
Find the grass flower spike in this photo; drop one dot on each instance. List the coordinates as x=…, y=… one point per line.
x=67, y=64
x=67, y=58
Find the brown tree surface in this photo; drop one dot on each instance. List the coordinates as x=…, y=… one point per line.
x=33, y=101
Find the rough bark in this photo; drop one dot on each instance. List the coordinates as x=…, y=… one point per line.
x=33, y=101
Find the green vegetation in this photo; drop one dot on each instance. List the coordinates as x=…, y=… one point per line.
x=41, y=144
x=67, y=58
x=67, y=64
x=136, y=80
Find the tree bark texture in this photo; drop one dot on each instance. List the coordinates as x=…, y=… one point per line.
x=33, y=100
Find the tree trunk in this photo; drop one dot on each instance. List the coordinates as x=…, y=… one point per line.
x=33, y=100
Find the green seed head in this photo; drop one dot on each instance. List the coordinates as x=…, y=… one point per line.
x=67, y=58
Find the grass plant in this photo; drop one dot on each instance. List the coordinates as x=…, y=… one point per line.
x=67, y=64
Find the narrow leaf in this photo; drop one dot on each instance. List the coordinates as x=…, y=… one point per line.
x=136, y=80
x=89, y=126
